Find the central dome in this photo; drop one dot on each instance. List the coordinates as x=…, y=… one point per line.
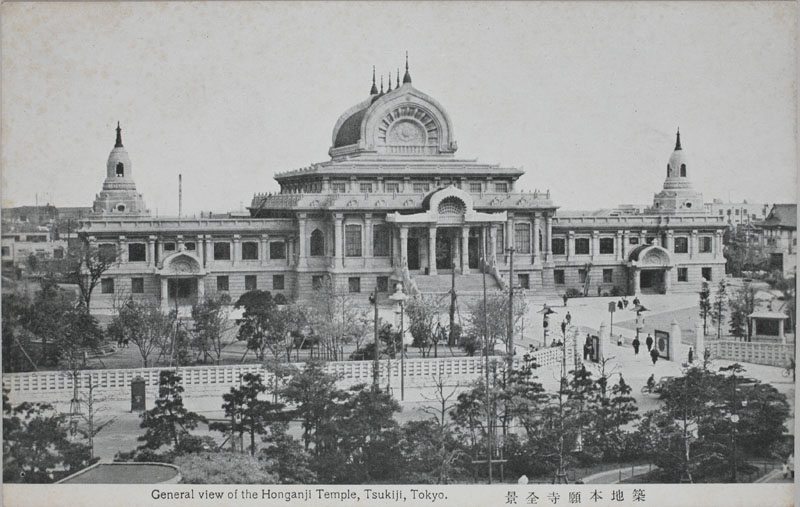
x=403, y=122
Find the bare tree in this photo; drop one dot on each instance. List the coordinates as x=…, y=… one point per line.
x=443, y=399
x=144, y=325
x=86, y=264
x=333, y=315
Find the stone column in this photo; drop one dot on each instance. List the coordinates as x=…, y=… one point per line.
x=201, y=287
x=637, y=288
x=235, y=249
x=667, y=280
x=123, y=252
x=160, y=247
x=548, y=238
x=200, y=250
x=618, y=242
x=367, y=237
x=338, y=238
x=432, y=249
x=570, y=246
x=209, y=249
x=717, y=243
x=595, y=248
x=289, y=250
x=326, y=184
x=179, y=242
x=643, y=237
x=670, y=242
x=699, y=340
x=164, y=294
x=693, y=250
x=781, y=332
x=404, y=246
x=264, y=243
x=624, y=246
x=537, y=254
x=151, y=250
x=465, y=249
x=301, y=242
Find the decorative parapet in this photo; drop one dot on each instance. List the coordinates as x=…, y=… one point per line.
x=185, y=225
x=579, y=221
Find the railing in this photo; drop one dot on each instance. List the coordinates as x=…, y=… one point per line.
x=773, y=354
x=352, y=371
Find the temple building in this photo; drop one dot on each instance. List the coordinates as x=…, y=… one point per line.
x=395, y=204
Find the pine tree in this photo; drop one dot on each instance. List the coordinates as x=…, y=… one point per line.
x=705, y=304
x=718, y=310
x=168, y=423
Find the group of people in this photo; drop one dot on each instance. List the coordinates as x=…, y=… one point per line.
x=653, y=351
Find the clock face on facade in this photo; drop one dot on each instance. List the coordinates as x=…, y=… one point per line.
x=406, y=132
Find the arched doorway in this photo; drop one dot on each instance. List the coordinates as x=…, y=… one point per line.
x=650, y=267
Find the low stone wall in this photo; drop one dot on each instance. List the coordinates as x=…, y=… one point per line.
x=772, y=354
x=56, y=386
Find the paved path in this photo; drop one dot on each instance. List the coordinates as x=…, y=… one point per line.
x=616, y=475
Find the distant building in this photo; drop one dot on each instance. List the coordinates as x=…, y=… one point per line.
x=394, y=204
x=737, y=213
x=778, y=237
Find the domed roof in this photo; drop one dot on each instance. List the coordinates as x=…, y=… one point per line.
x=350, y=130
x=677, y=165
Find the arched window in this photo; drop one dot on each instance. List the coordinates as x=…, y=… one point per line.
x=683, y=170
x=317, y=243
x=451, y=206
x=120, y=170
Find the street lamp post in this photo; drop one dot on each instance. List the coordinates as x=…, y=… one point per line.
x=510, y=307
x=399, y=297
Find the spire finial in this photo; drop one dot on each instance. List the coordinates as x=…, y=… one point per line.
x=374, y=89
x=118, y=144
x=407, y=77
x=381, y=84
x=390, y=82
x=398, y=77
x=678, y=140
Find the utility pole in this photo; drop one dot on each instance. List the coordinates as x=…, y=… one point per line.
x=486, y=367
x=510, y=308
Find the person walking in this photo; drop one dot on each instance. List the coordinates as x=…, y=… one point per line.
x=568, y=318
x=565, y=298
x=649, y=342
x=691, y=355
x=654, y=355
x=636, y=344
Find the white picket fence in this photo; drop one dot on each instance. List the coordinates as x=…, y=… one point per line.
x=349, y=372
x=773, y=354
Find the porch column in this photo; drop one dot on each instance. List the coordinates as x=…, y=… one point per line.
x=179, y=242
x=337, y=241
x=780, y=331
x=643, y=237
x=618, y=246
x=201, y=288
x=236, y=248
x=164, y=294
x=548, y=238
x=595, y=251
x=465, y=249
x=537, y=256
x=492, y=242
x=263, y=255
x=432, y=249
x=160, y=247
x=151, y=250
x=368, y=235
x=667, y=280
x=404, y=246
x=693, y=244
x=200, y=250
x=637, y=287
x=509, y=234
x=301, y=232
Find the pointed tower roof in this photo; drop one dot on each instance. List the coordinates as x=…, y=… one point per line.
x=118, y=144
x=374, y=89
x=398, y=77
x=678, y=140
x=390, y=82
x=407, y=77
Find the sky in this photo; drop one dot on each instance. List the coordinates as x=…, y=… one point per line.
x=585, y=97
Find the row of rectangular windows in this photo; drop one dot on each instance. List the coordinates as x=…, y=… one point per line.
x=582, y=245
x=340, y=187
x=608, y=275
x=223, y=283
x=137, y=252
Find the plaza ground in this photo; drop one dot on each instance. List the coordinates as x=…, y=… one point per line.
x=122, y=432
